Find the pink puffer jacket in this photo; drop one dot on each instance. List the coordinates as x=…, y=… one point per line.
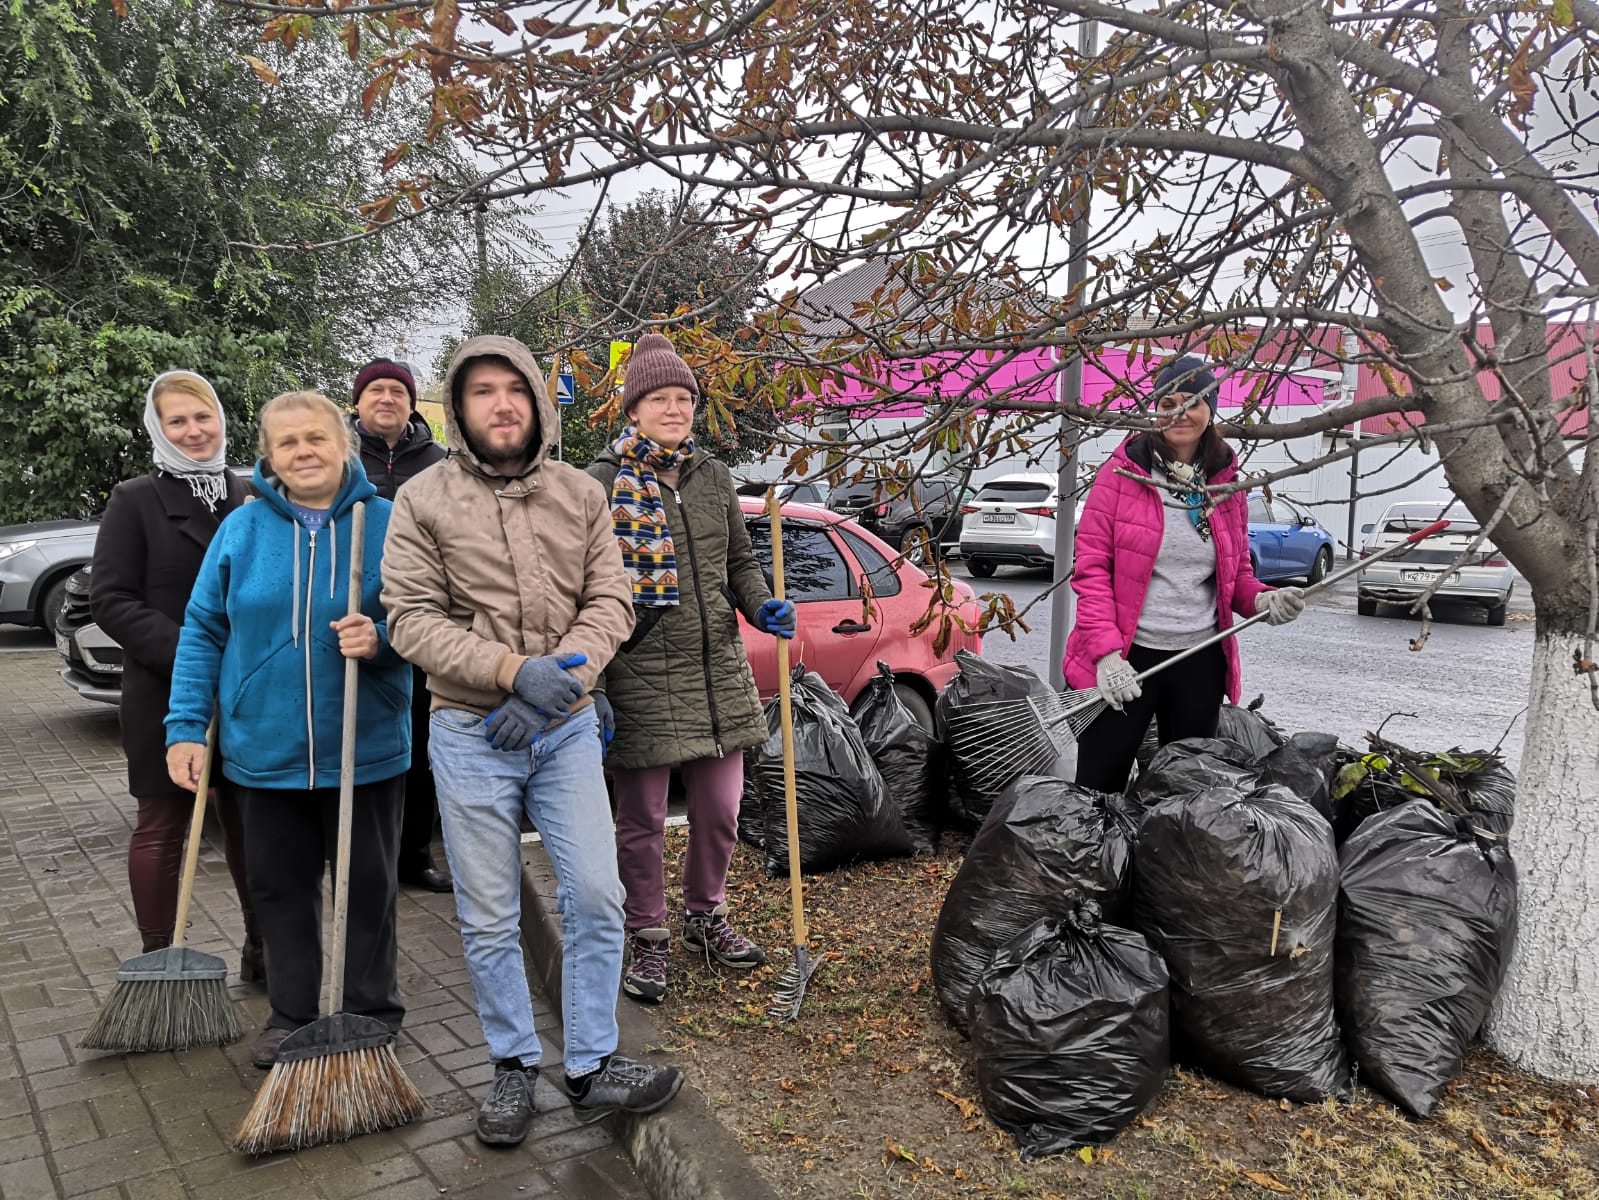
x=1117, y=541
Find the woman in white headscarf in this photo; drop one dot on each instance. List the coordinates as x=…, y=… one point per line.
x=152, y=540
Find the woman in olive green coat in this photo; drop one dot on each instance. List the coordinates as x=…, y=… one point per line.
x=680, y=689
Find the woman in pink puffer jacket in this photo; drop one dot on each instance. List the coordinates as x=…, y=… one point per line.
x=1162, y=565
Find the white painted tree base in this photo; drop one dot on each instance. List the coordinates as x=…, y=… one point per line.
x=1547, y=1017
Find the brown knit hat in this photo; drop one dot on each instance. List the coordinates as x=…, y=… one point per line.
x=654, y=364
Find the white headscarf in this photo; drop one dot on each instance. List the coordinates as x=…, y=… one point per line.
x=208, y=480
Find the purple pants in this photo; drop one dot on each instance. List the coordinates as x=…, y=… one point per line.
x=714, y=787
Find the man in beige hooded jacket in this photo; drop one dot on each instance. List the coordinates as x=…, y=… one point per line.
x=503, y=581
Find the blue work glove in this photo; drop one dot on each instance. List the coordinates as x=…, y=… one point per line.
x=548, y=686
x=515, y=725
x=607, y=719
x=776, y=617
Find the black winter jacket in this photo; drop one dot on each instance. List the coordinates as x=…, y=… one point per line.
x=388, y=469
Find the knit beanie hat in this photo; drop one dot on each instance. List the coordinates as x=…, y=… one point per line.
x=383, y=368
x=1188, y=375
x=654, y=364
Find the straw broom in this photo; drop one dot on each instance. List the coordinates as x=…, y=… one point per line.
x=337, y=1077
x=175, y=998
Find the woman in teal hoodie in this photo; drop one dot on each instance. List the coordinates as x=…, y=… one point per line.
x=265, y=639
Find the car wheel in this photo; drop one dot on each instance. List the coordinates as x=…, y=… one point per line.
x=1365, y=607
x=50, y=606
x=980, y=567
x=1319, y=568
x=915, y=704
x=1497, y=612
x=917, y=545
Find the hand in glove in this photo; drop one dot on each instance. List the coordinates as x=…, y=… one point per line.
x=1117, y=680
x=777, y=618
x=607, y=719
x=1282, y=605
x=514, y=726
x=546, y=684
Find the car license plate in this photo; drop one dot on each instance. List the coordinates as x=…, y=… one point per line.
x=61, y=645
x=1426, y=577
x=999, y=518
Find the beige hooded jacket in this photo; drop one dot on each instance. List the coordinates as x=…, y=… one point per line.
x=482, y=572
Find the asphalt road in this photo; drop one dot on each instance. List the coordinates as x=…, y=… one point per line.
x=1336, y=671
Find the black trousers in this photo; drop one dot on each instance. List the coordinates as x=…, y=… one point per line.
x=291, y=836
x=1184, y=700
x=421, y=800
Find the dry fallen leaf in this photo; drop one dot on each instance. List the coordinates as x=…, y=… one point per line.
x=967, y=1106
x=1267, y=1181
x=1087, y=1155
x=1476, y=1136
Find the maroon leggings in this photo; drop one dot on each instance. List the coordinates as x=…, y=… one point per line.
x=155, y=857
x=713, y=787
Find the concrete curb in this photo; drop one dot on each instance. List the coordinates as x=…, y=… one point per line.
x=682, y=1152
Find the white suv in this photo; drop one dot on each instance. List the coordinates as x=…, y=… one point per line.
x=1486, y=578
x=1011, y=520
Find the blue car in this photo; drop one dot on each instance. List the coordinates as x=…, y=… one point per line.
x=1286, y=541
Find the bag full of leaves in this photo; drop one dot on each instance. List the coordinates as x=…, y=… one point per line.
x=751, y=817
x=1304, y=764
x=1070, y=1032
x=1475, y=782
x=1426, y=923
x=845, y=814
x=1237, y=889
x=1248, y=726
x=979, y=686
x=1045, y=840
x=909, y=758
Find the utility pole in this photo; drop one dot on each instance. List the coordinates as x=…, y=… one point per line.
x=1071, y=433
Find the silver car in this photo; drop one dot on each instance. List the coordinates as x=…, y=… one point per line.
x=35, y=562
x=1485, y=579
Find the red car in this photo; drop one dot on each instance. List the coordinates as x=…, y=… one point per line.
x=825, y=559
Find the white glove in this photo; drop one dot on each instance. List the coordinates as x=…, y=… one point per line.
x=1118, y=682
x=1283, y=605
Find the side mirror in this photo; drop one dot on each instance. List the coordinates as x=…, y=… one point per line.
x=1368, y=527
x=1307, y=520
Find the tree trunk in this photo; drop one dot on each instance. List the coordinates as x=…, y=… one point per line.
x=1547, y=1017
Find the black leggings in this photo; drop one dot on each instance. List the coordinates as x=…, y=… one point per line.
x=1184, y=699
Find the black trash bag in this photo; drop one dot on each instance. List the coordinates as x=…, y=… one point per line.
x=1490, y=793
x=1426, y=923
x=1044, y=840
x=1469, y=782
x=1304, y=765
x=1026, y=743
x=908, y=757
x=751, y=817
x=1070, y=1032
x=845, y=814
x=1248, y=727
x=1238, y=890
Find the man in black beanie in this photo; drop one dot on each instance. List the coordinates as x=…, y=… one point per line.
x=396, y=444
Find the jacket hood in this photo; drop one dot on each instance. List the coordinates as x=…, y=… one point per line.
x=1136, y=452
x=355, y=487
x=519, y=357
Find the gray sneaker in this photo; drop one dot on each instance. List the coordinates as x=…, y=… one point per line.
x=646, y=972
x=712, y=935
x=621, y=1085
x=508, y=1109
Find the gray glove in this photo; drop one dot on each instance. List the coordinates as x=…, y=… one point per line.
x=1282, y=605
x=1117, y=680
x=514, y=726
x=606, y=716
x=548, y=686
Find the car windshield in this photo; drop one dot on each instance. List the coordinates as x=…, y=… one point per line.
x=1014, y=491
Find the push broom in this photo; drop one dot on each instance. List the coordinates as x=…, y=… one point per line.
x=790, y=992
x=175, y=998
x=337, y=1077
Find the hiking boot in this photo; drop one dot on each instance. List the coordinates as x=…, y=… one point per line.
x=621, y=1085
x=264, y=1050
x=508, y=1109
x=712, y=935
x=646, y=973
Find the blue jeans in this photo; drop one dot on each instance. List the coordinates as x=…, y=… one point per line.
x=483, y=793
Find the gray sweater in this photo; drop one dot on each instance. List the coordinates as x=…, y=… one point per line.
x=1180, y=606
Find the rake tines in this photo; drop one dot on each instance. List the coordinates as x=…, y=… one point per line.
x=997, y=741
x=789, y=993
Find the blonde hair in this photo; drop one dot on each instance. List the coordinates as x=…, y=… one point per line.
x=189, y=385
x=312, y=402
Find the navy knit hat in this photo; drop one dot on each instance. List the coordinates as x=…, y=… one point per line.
x=383, y=368
x=1188, y=375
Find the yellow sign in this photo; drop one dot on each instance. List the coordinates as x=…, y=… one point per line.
x=619, y=352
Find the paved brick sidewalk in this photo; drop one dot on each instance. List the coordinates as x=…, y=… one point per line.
x=147, y=1127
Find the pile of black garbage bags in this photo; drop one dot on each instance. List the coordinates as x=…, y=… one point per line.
x=1277, y=911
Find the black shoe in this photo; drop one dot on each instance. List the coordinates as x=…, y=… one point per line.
x=264, y=1050
x=508, y=1109
x=621, y=1085
x=429, y=879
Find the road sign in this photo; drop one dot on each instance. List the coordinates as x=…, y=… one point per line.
x=563, y=388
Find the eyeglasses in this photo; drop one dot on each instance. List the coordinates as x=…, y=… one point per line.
x=658, y=402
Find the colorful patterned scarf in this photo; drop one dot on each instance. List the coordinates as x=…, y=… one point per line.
x=639, y=517
x=1188, y=485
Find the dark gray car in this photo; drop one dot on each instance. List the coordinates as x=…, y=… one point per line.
x=35, y=563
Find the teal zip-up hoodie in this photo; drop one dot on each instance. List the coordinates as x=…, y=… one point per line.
x=256, y=635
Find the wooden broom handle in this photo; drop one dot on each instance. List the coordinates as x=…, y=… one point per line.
x=341, y=861
x=785, y=710
x=191, y=852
